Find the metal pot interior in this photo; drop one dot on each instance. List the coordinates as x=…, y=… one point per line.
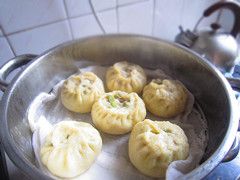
x=59, y=63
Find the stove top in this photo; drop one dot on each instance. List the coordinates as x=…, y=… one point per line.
x=227, y=170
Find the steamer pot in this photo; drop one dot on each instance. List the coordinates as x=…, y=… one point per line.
x=211, y=90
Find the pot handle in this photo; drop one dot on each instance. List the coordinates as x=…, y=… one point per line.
x=11, y=65
x=234, y=82
x=234, y=150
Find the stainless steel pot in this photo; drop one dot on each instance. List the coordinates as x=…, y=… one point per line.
x=211, y=90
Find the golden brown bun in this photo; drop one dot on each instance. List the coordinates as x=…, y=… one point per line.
x=126, y=77
x=153, y=145
x=79, y=92
x=117, y=112
x=165, y=98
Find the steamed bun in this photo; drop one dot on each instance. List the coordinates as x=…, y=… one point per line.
x=165, y=98
x=117, y=112
x=126, y=77
x=153, y=145
x=70, y=148
x=79, y=92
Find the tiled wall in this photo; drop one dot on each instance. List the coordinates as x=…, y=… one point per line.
x=33, y=26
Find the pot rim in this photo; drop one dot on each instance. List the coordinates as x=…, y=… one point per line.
x=202, y=170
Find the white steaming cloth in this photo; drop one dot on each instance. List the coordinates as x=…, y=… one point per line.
x=113, y=162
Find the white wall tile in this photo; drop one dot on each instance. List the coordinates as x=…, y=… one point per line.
x=5, y=51
x=104, y=4
x=123, y=2
x=109, y=20
x=85, y=26
x=170, y=14
x=167, y=18
x=40, y=39
x=136, y=18
x=77, y=7
x=82, y=7
x=18, y=15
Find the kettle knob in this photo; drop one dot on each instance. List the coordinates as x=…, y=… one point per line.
x=215, y=26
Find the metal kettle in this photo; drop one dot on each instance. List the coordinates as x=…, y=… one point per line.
x=217, y=46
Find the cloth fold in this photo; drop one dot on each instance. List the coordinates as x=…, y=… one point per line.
x=113, y=162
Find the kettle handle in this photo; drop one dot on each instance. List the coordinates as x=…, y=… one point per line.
x=231, y=5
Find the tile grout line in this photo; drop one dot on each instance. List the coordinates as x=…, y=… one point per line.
x=38, y=26
x=96, y=17
x=8, y=41
x=73, y=17
x=153, y=16
x=82, y=15
x=117, y=15
x=182, y=12
x=132, y=3
x=65, y=8
x=10, y=45
x=108, y=9
x=68, y=20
